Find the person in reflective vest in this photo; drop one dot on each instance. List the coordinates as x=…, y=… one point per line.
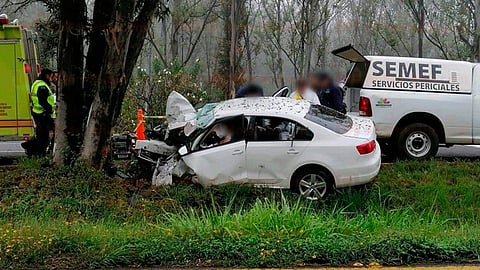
x=43, y=110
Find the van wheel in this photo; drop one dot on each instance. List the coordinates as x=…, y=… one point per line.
x=312, y=183
x=417, y=142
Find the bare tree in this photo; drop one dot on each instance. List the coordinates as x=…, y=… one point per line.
x=229, y=73
x=417, y=10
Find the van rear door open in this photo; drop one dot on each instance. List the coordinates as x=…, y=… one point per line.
x=358, y=73
x=356, y=76
x=350, y=53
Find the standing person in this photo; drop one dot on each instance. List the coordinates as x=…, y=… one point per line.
x=43, y=106
x=329, y=93
x=249, y=90
x=303, y=91
x=54, y=83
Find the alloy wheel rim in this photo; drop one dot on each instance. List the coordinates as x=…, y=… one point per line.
x=418, y=144
x=313, y=186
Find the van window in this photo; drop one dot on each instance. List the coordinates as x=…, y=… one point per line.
x=357, y=75
x=330, y=119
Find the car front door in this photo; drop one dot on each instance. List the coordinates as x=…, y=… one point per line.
x=271, y=153
x=219, y=155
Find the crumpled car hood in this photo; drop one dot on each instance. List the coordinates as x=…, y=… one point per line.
x=181, y=114
x=180, y=111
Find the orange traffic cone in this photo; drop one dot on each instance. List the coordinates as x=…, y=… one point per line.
x=140, y=125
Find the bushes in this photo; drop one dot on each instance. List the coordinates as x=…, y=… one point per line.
x=153, y=91
x=76, y=217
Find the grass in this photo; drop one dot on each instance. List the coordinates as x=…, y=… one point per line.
x=75, y=217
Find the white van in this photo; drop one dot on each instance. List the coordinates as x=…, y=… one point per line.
x=416, y=104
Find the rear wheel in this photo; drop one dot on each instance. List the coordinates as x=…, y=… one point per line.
x=417, y=142
x=313, y=183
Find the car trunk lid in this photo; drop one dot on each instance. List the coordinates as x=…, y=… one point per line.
x=362, y=128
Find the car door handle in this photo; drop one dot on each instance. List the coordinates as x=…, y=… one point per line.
x=237, y=152
x=292, y=152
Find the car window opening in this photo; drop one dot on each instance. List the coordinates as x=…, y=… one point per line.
x=278, y=129
x=330, y=119
x=224, y=132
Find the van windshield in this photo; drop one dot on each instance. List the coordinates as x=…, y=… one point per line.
x=330, y=119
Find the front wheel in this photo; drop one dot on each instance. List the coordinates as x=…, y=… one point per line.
x=314, y=183
x=417, y=142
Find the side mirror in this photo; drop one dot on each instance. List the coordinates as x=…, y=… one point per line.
x=183, y=151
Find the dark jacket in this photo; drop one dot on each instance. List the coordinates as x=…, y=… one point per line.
x=43, y=93
x=249, y=90
x=332, y=97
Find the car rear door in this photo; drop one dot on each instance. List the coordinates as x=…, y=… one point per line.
x=272, y=149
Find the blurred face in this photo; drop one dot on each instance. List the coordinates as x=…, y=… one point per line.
x=251, y=94
x=48, y=77
x=302, y=87
x=315, y=82
x=324, y=84
x=54, y=78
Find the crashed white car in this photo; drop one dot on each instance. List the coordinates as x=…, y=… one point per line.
x=279, y=143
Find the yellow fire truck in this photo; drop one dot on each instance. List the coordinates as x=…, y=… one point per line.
x=18, y=69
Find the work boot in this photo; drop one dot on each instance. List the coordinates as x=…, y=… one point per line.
x=29, y=147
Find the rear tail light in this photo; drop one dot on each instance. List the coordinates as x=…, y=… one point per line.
x=27, y=68
x=26, y=138
x=366, y=148
x=39, y=68
x=365, y=107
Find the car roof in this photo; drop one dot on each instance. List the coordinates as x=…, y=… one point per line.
x=270, y=106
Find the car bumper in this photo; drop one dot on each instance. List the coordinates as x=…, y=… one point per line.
x=362, y=173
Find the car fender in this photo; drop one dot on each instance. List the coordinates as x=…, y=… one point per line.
x=315, y=163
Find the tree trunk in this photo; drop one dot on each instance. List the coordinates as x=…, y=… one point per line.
x=233, y=47
x=69, y=122
x=229, y=72
x=477, y=30
x=278, y=40
x=175, y=27
x=124, y=36
x=421, y=26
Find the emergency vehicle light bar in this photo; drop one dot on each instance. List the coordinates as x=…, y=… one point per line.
x=3, y=19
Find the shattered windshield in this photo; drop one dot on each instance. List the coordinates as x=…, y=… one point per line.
x=206, y=115
x=330, y=119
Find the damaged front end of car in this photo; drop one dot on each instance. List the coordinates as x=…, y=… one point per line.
x=183, y=122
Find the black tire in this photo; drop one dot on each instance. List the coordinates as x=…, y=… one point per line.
x=417, y=142
x=325, y=183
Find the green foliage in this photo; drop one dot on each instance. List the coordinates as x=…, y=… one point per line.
x=151, y=92
x=47, y=42
x=76, y=217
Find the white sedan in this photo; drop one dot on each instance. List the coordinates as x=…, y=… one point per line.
x=280, y=143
